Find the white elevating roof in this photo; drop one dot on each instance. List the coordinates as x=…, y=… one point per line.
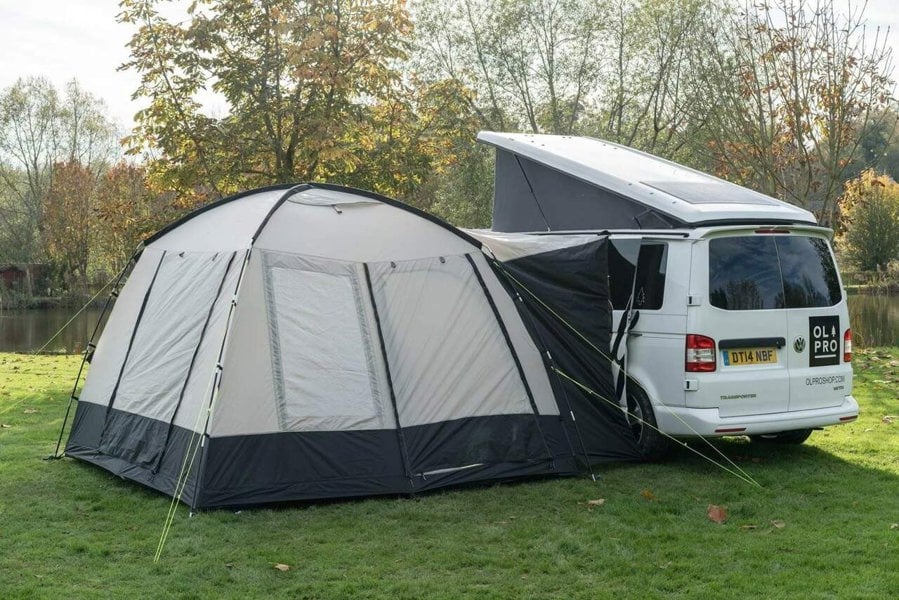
x=684, y=193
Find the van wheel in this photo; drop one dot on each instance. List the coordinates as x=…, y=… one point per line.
x=652, y=444
x=784, y=437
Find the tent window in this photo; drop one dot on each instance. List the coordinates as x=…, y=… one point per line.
x=321, y=350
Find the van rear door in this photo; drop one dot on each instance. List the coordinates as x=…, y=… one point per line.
x=745, y=316
x=817, y=319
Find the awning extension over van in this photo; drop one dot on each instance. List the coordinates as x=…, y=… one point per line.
x=553, y=182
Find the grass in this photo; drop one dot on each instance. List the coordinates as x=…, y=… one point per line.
x=823, y=524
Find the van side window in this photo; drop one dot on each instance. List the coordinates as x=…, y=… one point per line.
x=649, y=286
x=764, y=272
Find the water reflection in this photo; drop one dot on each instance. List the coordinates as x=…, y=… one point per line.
x=28, y=330
x=875, y=322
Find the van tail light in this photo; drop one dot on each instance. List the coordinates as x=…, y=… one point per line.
x=700, y=354
x=847, y=346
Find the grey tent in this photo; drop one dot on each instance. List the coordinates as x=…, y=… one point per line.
x=310, y=342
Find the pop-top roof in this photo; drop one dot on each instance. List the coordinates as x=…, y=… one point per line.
x=640, y=189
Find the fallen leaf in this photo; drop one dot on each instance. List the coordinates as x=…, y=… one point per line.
x=888, y=419
x=593, y=503
x=282, y=567
x=894, y=526
x=229, y=565
x=648, y=495
x=29, y=411
x=748, y=526
x=716, y=513
x=778, y=524
x=5, y=426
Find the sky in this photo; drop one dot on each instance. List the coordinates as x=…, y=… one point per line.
x=66, y=39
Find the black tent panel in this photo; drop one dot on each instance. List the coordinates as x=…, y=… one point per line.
x=565, y=304
x=84, y=444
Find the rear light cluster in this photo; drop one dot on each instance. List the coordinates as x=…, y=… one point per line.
x=700, y=354
x=847, y=346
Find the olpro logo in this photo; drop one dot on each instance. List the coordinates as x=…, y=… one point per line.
x=824, y=341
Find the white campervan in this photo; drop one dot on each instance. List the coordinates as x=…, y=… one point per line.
x=743, y=327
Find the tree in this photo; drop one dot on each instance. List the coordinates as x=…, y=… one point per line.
x=29, y=145
x=126, y=211
x=304, y=82
x=870, y=221
x=66, y=222
x=39, y=128
x=651, y=95
x=532, y=63
x=790, y=85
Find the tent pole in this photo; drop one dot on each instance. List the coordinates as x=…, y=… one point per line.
x=404, y=451
x=217, y=376
x=190, y=367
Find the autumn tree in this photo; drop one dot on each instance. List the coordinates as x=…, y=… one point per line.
x=649, y=93
x=315, y=90
x=29, y=146
x=791, y=83
x=125, y=211
x=869, y=214
x=66, y=222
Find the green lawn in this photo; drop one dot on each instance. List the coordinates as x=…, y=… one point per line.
x=824, y=524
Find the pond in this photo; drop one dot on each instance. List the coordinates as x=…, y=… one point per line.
x=875, y=322
x=28, y=330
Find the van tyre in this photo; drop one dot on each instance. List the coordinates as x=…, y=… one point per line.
x=653, y=446
x=784, y=437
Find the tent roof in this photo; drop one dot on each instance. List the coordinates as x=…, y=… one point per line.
x=689, y=196
x=236, y=221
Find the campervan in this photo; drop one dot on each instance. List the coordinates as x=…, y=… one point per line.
x=729, y=312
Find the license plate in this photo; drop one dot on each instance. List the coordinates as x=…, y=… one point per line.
x=744, y=357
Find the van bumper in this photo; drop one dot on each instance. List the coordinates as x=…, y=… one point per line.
x=681, y=421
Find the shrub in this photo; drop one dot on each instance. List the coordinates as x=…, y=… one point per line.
x=869, y=219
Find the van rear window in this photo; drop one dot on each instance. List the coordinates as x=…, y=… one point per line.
x=765, y=271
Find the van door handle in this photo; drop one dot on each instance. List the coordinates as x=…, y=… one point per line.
x=777, y=342
x=635, y=334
